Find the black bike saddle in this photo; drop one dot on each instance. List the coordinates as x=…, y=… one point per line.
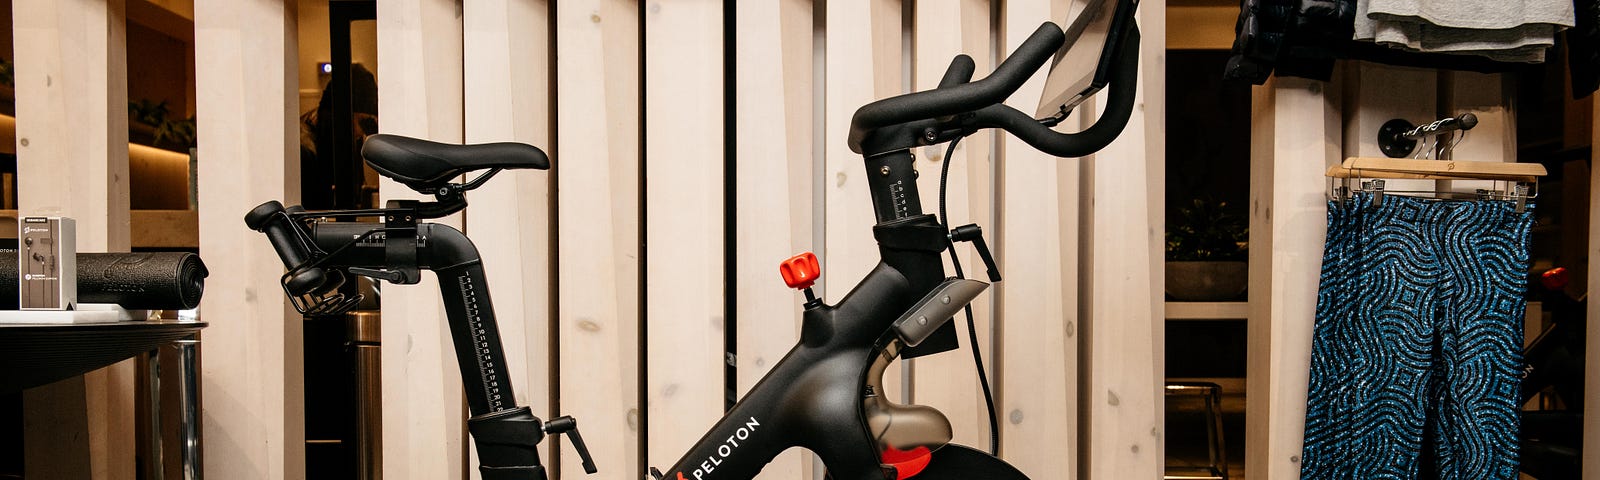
x=425, y=165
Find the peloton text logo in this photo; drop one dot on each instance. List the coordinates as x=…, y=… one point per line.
x=724, y=450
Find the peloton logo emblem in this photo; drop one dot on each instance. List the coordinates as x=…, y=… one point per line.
x=724, y=450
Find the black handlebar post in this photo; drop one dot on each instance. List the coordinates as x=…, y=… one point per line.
x=892, y=180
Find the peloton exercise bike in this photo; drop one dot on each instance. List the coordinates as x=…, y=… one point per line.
x=825, y=395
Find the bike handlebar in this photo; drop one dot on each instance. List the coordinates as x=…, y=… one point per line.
x=273, y=220
x=966, y=97
x=984, y=99
x=959, y=72
x=1119, y=108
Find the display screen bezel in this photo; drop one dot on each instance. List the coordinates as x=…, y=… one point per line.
x=1067, y=86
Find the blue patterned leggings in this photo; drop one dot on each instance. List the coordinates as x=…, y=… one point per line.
x=1416, y=357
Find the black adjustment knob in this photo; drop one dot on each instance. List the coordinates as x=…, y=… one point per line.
x=972, y=233
x=569, y=426
x=392, y=276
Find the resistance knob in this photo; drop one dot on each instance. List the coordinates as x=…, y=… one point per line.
x=801, y=272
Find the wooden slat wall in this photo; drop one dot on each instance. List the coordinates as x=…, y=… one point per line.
x=626, y=235
x=943, y=29
x=684, y=200
x=863, y=61
x=597, y=157
x=1037, y=234
x=420, y=77
x=71, y=86
x=1294, y=136
x=253, y=413
x=1591, y=375
x=1592, y=356
x=506, y=43
x=773, y=218
x=1122, y=309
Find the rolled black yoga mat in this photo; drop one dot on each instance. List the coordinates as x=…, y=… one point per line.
x=136, y=281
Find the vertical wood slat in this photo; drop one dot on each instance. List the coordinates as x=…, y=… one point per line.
x=1374, y=94
x=597, y=172
x=1295, y=127
x=948, y=382
x=253, y=413
x=1037, y=366
x=862, y=63
x=1591, y=385
x=773, y=182
x=1122, y=387
x=72, y=88
x=1494, y=139
x=506, y=46
x=420, y=80
x=684, y=220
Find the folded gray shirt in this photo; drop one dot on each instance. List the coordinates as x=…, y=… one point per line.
x=1503, y=30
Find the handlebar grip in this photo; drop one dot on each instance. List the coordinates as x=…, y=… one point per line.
x=1123, y=86
x=993, y=89
x=271, y=219
x=959, y=72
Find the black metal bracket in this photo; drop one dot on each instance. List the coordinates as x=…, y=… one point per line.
x=1392, y=140
x=400, y=242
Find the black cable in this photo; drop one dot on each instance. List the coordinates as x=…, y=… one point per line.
x=972, y=327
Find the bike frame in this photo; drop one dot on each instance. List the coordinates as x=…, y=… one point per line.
x=826, y=393
x=814, y=397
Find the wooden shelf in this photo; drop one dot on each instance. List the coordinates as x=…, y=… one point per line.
x=1207, y=310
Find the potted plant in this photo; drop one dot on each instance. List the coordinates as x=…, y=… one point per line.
x=1206, y=253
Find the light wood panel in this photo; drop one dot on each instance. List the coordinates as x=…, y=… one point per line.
x=1374, y=94
x=420, y=95
x=1122, y=385
x=165, y=229
x=49, y=173
x=71, y=82
x=506, y=46
x=684, y=219
x=948, y=382
x=773, y=181
x=1591, y=385
x=1207, y=310
x=1199, y=27
x=863, y=62
x=1494, y=139
x=1295, y=135
x=597, y=172
x=253, y=416
x=1038, y=330
x=71, y=90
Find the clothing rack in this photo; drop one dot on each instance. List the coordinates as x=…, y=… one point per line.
x=1516, y=182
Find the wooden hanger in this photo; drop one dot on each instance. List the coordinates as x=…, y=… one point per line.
x=1408, y=168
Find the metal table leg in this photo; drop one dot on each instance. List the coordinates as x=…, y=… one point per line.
x=189, y=399
x=156, y=467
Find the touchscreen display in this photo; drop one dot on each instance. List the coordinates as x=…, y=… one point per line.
x=1079, y=69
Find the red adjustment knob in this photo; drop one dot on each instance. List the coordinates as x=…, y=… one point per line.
x=1554, y=279
x=800, y=271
